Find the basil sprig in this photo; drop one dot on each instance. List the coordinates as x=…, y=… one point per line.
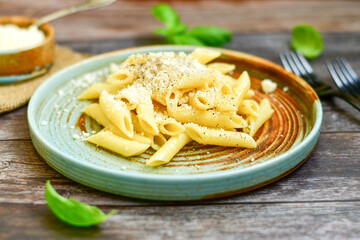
x=176, y=32
x=307, y=40
x=73, y=212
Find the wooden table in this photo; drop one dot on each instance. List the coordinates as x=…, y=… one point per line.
x=320, y=200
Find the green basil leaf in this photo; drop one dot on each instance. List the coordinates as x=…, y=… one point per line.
x=176, y=30
x=166, y=14
x=73, y=212
x=161, y=31
x=185, y=40
x=307, y=40
x=211, y=35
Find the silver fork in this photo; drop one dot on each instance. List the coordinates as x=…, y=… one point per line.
x=344, y=77
x=295, y=62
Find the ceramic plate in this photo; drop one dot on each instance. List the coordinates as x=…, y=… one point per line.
x=58, y=130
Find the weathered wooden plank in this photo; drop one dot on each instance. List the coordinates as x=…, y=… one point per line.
x=14, y=125
x=133, y=18
x=331, y=173
x=329, y=220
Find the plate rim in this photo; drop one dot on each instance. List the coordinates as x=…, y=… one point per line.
x=49, y=83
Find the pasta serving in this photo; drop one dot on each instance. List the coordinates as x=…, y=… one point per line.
x=164, y=100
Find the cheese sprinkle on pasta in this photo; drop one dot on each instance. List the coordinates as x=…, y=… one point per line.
x=159, y=72
x=166, y=99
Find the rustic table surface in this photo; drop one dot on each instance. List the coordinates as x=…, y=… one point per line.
x=320, y=200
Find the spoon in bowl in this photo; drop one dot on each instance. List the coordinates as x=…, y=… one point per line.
x=87, y=5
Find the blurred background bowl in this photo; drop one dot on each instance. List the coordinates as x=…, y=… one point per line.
x=25, y=63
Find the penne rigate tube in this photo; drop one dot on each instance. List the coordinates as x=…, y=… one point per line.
x=265, y=112
x=209, y=118
x=145, y=113
x=218, y=137
x=121, y=78
x=157, y=141
x=202, y=100
x=136, y=137
x=108, y=140
x=117, y=112
x=224, y=68
x=169, y=126
x=204, y=55
x=168, y=150
x=95, y=90
x=241, y=87
x=94, y=111
x=249, y=107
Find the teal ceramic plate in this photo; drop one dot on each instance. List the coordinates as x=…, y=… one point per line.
x=58, y=129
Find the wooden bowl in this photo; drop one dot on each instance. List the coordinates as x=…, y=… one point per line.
x=27, y=60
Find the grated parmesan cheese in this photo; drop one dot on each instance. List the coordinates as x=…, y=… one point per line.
x=268, y=86
x=13, y=37
x=158, y=72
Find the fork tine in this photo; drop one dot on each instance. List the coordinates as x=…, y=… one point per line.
x=347, y=66
x=301, y=70
x=298, y=64
x=350, y=75
x=305, y=63
x=284, y=62
x=290, y=63
x=345, y=81
x=305, y=68
x=336, y=77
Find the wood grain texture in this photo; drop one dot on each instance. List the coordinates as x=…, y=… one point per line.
x=242, y=221
x=127, y=18
x=320, y=200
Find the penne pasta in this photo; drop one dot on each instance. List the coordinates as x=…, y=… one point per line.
x=265, y=112
x=108, y=140
x=157, y=141
x=146, y=118
x=117, y=112
x=204, y=55
x=168, y=150
x=218, y=137
x=122, y=78
x=95, y=90
x=241, y=87
x=202, y=100
x=197, y=80
x=224, y=68
x=209, y=118
x=167, y=125
x=136, y=137
x=249, y=94
x=164, y=100
x=249, y=107
x=94, y=111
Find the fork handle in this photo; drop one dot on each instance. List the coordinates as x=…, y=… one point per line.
x=350, y=99
x=326, y=92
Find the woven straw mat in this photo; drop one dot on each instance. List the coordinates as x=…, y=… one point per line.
x=18, y=94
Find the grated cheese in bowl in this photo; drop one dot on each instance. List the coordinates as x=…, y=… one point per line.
x=13, y=37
